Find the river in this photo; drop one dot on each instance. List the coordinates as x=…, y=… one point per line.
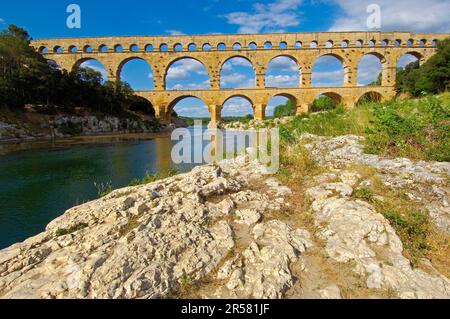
x=39, y=181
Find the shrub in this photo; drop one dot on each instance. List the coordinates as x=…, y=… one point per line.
x=418, y=130
x=323, y=103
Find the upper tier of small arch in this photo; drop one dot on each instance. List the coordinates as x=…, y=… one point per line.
x=236, y=42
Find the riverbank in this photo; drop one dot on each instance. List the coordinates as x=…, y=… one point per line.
x=31, y=126
x=234, y=230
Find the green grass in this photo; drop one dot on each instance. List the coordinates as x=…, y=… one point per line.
x=63, y=231
x=150, y=178
x=417, y=129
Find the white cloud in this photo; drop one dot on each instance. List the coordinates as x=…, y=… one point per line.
x=282, y=81
x=2, y=21
x=174, y=32
x=237, y=73
x=237, y=106
x=267, y=17
x=399, y=15
x=237, y=80
x=284, y=64
x=184, y=69
x=191, y=86
x=368, y=70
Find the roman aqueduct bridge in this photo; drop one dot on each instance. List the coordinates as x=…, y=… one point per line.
x=259, y=49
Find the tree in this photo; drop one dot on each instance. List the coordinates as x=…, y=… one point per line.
x=432, y=77
x=284, y=110
x=26, y=77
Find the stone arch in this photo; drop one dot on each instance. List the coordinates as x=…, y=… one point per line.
x=134, y=48
x=407, y=58
x=118, y=48
x=243, y=97
x=221, y=46
x=367, y=63
x=320, y=78
x=105, y=67
x=382, y=60
x=73, y=49
x=58, y=49
x=103, y=48
x=206, y=47
x=419, y=56
x=192, y=47
x=336, y=97
x=371, y=96
x=178, y=47
x=240, y=95
x=237, y=46
x=189, y=58
x=228, y=59
x=283, y=70
x=88, y=48
x=142, y=105
x=172, y=104
x=326, y=101
x=149, y=77
x=43, y=50
x=272, y=103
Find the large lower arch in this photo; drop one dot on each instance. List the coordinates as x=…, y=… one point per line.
x=137, y=72
x=283, y=71
x=143, y=106
x=187, y=106
x=328, y=71
x=237, y=106
x=326, y=101
x=369, y=97
x=187, y=73
x=282, y=105
x=237, y=72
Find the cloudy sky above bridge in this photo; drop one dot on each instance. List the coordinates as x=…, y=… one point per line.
x=47, y=18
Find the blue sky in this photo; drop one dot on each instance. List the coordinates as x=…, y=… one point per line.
x=47, y=19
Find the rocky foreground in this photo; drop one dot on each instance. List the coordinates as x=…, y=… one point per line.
x=233, y=230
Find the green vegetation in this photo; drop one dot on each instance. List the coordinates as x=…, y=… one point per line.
x=414, y=129
x=63, y=231
x=418, y=129
x=103, y=189
x=133, y=223
x=323, y=103
x=284, y=110
x=432, y=77
x=27, y=78
x=150, y=178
